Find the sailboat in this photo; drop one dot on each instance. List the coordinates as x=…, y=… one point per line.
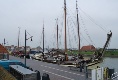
x=100, y=54
x=65, y=35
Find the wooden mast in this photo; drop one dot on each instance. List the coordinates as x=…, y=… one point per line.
x=43, y=36
x=57, y=33
x=18, y=37
x=43, y=39
x=66, y=58
x=78, y=27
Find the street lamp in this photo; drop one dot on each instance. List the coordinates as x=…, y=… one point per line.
x=25, y=44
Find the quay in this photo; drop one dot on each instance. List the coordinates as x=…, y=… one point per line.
x=55, y=71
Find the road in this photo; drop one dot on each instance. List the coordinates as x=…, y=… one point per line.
x=56, y=72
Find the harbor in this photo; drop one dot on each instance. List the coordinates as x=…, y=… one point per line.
x=58, y=40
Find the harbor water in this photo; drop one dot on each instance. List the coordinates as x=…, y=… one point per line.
x=111, y=63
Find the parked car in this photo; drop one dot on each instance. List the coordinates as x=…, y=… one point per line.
x=23, y=56
x=39, y=56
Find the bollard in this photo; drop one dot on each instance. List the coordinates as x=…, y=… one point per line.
x=80, y=67
x=38, y=75
x=86, y=72
x=58, y=61
x=45, y=76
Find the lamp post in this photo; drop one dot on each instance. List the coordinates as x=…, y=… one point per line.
x=25, y=44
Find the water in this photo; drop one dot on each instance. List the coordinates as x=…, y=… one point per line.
x=111, y=63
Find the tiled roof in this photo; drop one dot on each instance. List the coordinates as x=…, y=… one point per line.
x=88, y=48
x=3, y=49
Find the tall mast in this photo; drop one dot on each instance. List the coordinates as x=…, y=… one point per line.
x=78, y=26
x=25, y=46
x=43, y=36
x=57, y=33
x=65, y=30
x=43, y=39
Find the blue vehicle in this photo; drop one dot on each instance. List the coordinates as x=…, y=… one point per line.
x=5, y=63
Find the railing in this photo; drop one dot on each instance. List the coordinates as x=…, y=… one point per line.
x=5, y=75
x=114, y=76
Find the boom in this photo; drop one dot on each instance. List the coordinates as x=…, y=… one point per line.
x=109, y=35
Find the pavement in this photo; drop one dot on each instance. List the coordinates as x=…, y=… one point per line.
x=55, y=71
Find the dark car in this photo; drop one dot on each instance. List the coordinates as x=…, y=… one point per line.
x=23, y=56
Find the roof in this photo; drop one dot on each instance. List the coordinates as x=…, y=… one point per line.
x=22, y=70
x=88, y=48
x=3, y=49
x=6, y=60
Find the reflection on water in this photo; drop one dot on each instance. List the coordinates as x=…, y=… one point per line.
x=111, y=63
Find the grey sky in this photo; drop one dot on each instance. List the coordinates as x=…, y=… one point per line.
x=30, y=14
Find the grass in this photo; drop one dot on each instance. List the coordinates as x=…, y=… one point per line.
x=75, y=52
x=107, y=53
x=111, y=53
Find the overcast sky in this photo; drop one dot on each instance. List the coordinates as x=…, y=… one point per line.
x=96, y=17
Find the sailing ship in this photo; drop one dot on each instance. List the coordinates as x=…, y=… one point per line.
x=58, y=52
x=99, y=55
